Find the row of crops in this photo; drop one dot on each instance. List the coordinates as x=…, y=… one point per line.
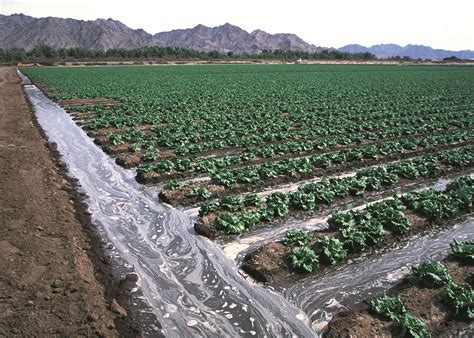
x=358, y=231
x=252, y=147
x=235, y=214
x=450, y=283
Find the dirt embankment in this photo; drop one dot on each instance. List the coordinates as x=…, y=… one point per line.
x=55, y=279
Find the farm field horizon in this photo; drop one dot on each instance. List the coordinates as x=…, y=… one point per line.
x=276, y=164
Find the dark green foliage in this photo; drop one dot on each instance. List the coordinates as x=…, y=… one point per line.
x=339, y=220
x=463, y=250
x=207, y=208
x=391, y=214
x=460, y=300
x=302, y=201
x=172, y=185
x=373, y=230
x=390, y=307
x=150, y=153
x=231, y=203
x=115, y=139
x=45, y=54
x=225, y=178
x=229, y=223
x=353, y=238
x=277, y=202
x=163, y=166
x=432, y=204
x=395, y=309
x=200, y=193
x=303, y=258
x=430, y=273
x=330, y=250
x=411, y=326
x=250, y=218
x=297, y=237
x=252, y=200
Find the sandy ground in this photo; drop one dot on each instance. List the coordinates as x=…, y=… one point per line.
x=52, y=281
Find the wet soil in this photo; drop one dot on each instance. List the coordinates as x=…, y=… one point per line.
x=180, y=197
x=156, y=178
x=56, y=278
x=424, y=303
x=204, y=226
x=269, y=263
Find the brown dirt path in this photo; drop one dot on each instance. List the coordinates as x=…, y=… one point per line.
x=49, y=286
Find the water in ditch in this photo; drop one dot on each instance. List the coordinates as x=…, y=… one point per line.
x=188, y=282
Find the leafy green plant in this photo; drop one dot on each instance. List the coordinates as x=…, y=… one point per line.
x=373, y=230
x=394, y=308
x=302, y=201
x=357, y=186
x=373, y=183
x=144, y=168
x=231, y=203
x=250, y=218
x=115, y=139
x=184, y=165
x=303, y=258
x=330, y=250
x=200, y=193
x=463, y=250
x=391, y=213
x=339, y=220
x=430, y=273
x=163, y=166
x=225, y=178
x=172, y=185
x=278, y=202
x=460, y=299
x=207, y=208
x=353, y=238
x=298, y=237
x=411, y=326
x=461, y=182
x=432, y=204
x=150, y=153
x=231, y=224
x=252, y=200
x=390, y=307
x=133, y=147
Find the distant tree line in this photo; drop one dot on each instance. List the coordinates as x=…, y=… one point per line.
x=44, y=53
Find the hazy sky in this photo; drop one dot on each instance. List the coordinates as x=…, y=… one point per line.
x=440, y=24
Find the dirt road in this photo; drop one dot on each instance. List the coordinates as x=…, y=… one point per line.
x=52, y=279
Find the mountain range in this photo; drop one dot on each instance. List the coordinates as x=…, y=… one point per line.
x=22, y=31
x=412, y=51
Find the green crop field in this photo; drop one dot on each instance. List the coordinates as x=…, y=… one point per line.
x=248, y=129
x=252, y=146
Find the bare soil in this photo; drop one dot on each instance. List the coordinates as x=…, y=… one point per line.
x=424, y=303
x=56, y=279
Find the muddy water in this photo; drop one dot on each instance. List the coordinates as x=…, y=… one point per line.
x=189, y=283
